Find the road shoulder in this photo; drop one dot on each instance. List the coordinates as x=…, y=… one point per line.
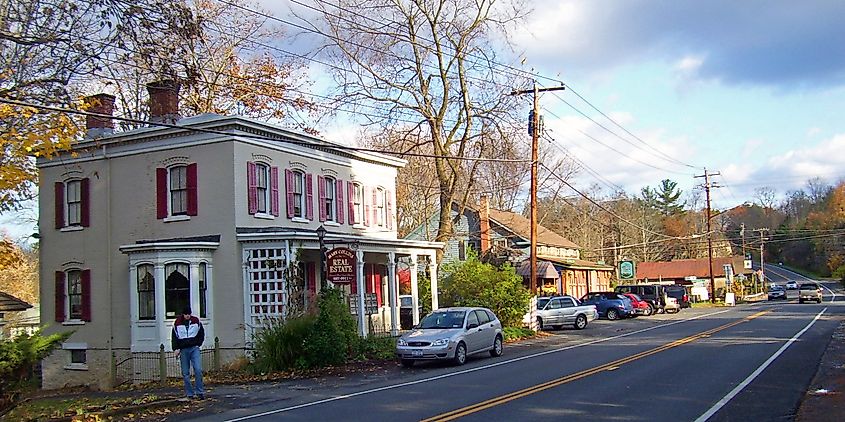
x=825, y=398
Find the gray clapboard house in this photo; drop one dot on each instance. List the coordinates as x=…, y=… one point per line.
x=207, y=211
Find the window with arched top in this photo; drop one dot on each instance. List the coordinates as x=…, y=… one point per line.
x=203, y=282
x=177, y=288
x=146, y=292
x=381, y=218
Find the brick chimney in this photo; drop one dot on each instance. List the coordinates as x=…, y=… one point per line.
x=164, y=101
x=100, y=104
x=484, y=222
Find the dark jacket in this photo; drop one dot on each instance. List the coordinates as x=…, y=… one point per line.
x=186, y=333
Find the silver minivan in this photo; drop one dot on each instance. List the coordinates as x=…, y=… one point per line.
x=451, y=334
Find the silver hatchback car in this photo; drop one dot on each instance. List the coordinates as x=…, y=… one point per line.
x=451, y=334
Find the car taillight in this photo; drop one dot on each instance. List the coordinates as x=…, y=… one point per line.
x=686, y=298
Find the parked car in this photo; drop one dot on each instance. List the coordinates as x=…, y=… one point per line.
x=679, y=293
x=654, y=294
x=672, y=306
x=558, y=311
x=640, y=306
x=809, y=292
x=610, y=305
x=777, y=292
x=791, y=285
x=451, y=334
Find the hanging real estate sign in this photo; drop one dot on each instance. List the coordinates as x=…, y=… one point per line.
x=340, y=265
x=627, y=270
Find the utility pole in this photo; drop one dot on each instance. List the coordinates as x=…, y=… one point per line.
x=707, y=186
x=534, y=130
x=762, y=241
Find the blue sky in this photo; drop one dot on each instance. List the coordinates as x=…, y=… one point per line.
x=752, y=89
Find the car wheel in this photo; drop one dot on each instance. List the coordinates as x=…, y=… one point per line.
x=580, y=322
x=612, y=314
x=673, y=311
x=460, y=354
x=497, y=347
x=407, y=363
x=539, y=324
x=800, y=300
x=649, y=311
x=818, y=301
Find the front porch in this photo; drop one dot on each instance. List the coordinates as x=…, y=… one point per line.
x=282, y=273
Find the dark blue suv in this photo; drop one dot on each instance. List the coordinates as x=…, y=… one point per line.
x=609, y=304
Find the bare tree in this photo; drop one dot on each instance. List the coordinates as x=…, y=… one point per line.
x=431, y=63
x=765, y=197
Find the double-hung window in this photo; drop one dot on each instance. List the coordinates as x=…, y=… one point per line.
x=299, y=194
x=176, y=191
x=262, y=187
x=380, y=210
x=358, y=202
x=178, y=178
x=74, y=202
x=329, y=205
x=73, y=296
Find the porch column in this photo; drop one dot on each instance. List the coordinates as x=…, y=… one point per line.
x=432, y=270
x=415, y=295
x=161, y=318
x=392, y=292
x=194, y=290
x=359, y=280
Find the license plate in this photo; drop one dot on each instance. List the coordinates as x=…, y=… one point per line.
x=416, y=352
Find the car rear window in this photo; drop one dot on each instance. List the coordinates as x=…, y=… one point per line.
x=809, y=287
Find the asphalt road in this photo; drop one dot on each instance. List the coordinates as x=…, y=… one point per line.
x=752, y=362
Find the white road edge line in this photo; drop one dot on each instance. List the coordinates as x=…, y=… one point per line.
x=465, y=371
x=721, y=403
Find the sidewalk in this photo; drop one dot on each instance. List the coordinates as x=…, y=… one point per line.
x=825, y=398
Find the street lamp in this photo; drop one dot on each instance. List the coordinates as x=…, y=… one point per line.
x=321, y=235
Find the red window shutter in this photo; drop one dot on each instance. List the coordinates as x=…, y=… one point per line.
x=388, y=200
x=321, y=195
x=192, y=189
x=368, y=206
x=86, y=295
x=309, y=196
x=161, y=193
x=274, y=191
x=251, y=188
x=311, y=277
x=60, y=296
x=354, y=288
x=338, y=194
x=85, y=193
x=350, y=196
x=289, y=191
x=59, y=189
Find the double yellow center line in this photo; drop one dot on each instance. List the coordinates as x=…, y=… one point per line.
x=464, y=411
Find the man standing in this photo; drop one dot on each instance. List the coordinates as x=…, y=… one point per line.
x=186, y=339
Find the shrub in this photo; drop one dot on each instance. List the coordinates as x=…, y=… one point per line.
x=516, y=333
x=18, y=357
x=376, y=348
x=280, y=344
x=334, y=337
x=473, y=283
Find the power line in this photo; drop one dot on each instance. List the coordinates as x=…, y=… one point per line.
x=668, y=157
x=249, y=136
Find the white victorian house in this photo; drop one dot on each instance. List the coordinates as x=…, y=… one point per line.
x=219, y=213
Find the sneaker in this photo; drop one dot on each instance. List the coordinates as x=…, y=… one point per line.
x=200, y=397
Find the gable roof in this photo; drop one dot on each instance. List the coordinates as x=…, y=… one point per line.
x=683, y=268
x=9, y=303
x=522, y=226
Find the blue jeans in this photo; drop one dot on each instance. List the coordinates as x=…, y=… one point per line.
x=188, y=358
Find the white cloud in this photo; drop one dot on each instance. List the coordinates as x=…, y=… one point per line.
x=813, y=131
x=689, y=64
